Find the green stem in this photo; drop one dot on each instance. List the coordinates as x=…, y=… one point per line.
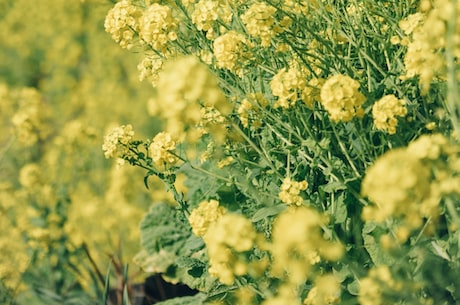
x=345, y=152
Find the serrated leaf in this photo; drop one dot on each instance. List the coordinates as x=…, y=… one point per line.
x=194, y=266
x=377, y=254
x=161, y=229
x=267, y=212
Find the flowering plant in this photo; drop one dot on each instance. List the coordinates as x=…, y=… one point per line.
x=319, y=145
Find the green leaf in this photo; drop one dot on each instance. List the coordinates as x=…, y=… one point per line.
x=197, y=299
x=378, y=255
x=105, y=296
x=162, y=229
x=353, y=287
x=440, y=250
x=194, y=266
x=340, y=213
x=267, y=212
x=333, y=186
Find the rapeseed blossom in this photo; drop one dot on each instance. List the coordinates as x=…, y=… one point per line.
x=419, y=176
x=116, y=142
x=162, y=150
x=149, y=69
x=428, y=44
x=14, y=258
x=297, y=243
x=122, y=22
x=249, y=111
x=260, y=22
x=326, y=291
x=207, y=12
x=30, y=120
x=185, y=87
x=207, y=213
x=157, y=26
x=406, y=177
x=30, y=175
x=229, y=51
x=385, y=112
x=290, y=190
x=287, y=85
x=376, y=284
x=341, y=98
x=226, y=241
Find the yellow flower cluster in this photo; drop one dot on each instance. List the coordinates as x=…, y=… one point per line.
x=116, y=142
x=29, y=121
x=297, y=244
x=249, y=110
x=429, y=41
x=290, y=191
x=207, y=12
x=157, y=26
x=326, y=291
x=162, y=150
x=149, y=68
x=30, y=175
x=14, y=259
x=185, y=87
x=372, y=287
x=298, y=6
x=122, y=23
x=385, y=111
x=227, y=240
x=418, y=176
x=286, y=85
x=229, y=51
x=260, y=22
x=341, y=98
x=291, y=85
x=207, y=213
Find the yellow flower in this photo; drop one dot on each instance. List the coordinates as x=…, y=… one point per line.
x=162, y=149
x=425, y=56
x=116, y=143
x=287, y=85
x=226, y=241
x=149, y=68
x=225, y=162
x=30, y=175
x=122, y=23
x=341, y=98
x=260, y=21
x=399, y=172
x=325, y=292
x=250, y=109
x=296, y=239
x=30, y=120
x=411, y=22
x=207, y=213
x=207, y=12
x=185, y=87
x=157, y=26
x=378, y=282
x=385, y=111
x=290, y=191
x=229, y=51
x=418, y=177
